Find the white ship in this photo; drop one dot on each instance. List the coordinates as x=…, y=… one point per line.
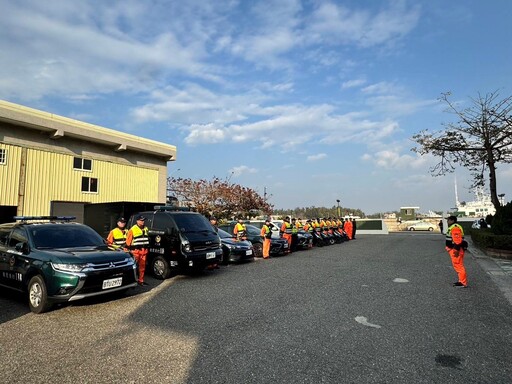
x=480, y=207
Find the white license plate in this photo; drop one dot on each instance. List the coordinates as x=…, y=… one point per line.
x=285, y=246
x=249, y=252
x=112, y=283
x=210, y=255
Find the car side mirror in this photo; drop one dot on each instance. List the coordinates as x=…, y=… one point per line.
x=22, y=247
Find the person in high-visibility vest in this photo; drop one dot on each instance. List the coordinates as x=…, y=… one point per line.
x=137, y=241
x=266, y=233
x=295, y=235
x=286, y=231
x=455, y=246
x=116, y=239
x=240, y=231
x=308, y=227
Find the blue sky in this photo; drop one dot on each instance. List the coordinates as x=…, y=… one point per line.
x=309, y=100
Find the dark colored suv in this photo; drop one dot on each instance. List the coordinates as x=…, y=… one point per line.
x=179, y=239
x=56, y=260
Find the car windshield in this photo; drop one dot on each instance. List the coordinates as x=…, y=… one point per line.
x=64, y=236
x=252, y=230
x=192, y=223
x=224, y=235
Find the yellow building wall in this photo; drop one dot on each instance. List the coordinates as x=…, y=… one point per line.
x=9, y=175
x=51, y=177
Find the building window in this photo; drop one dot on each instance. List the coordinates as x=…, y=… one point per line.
x=3, y=156
x=89, y=184
x=82, y=164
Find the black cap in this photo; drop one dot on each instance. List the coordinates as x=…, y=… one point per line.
x=452, y=218
x=140, y=217
x=213, y=218
x=121, y=219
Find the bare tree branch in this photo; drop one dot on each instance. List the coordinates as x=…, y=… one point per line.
x=478, y=141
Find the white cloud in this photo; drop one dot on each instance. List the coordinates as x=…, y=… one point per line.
x=206, y=134
x=335, y=24
x=75, y=48
x=208, y=117
x=390, y=159
x=353, y=83
x=242, y=169
x=382, y=87
x=317, y=157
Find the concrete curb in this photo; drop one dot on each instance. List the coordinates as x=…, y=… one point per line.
x=500, y=270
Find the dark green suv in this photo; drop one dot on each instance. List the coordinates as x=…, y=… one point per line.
x=55, y=260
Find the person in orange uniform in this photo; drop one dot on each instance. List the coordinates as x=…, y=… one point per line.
x=240, y=231
x=116, y=239
x=455, y=246
x=137, y=241
x=308, y=227
x=348, y=228
x=286, y=231
x=266, y=233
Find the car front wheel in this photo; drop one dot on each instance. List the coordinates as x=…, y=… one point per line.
x=37, y=295
x=160, y=267
x=258, y=249
x=411, y=229
x=431, y=229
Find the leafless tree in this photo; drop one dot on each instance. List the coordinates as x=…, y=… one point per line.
x=479, y=140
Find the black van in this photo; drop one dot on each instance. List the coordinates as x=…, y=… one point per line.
x=179, y=239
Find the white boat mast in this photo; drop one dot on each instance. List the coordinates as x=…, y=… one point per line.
x=457, y=203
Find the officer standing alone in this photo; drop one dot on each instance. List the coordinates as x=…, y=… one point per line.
x=455, y=246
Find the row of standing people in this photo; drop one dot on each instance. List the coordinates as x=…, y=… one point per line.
x=290, y=228
x=136, y=239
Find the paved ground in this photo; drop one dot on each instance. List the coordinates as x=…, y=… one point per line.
x=380, y=309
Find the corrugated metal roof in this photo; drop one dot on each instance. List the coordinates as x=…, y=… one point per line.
x=59, y=126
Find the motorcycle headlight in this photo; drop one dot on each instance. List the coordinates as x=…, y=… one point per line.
x=68, y=267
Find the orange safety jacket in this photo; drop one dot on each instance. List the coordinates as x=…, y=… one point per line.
x=454, y=236
x=239, y=231
x=286, y=228
x=117, y=238
x=137, y=238
x=266, y=232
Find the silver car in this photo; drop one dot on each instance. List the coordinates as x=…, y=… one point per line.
x=421, y=226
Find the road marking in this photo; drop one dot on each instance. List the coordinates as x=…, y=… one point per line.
x=363, y=320
x=399, y=280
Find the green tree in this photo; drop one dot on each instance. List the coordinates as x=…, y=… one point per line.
x=479, y=140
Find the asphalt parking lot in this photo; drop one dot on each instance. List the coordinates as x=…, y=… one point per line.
x=377, y=309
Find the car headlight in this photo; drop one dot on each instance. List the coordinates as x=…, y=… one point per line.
x=68, y=267
x=230, y=246
x=186, y=246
